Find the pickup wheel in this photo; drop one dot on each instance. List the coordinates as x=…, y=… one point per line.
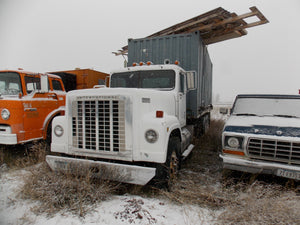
x=167, y=172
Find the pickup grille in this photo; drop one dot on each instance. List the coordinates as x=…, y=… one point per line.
x=99, y=125
x=274, y=150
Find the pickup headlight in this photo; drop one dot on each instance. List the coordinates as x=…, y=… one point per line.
x=233, y=142
x=58, y=130
x=151, y=136
x=5, y=114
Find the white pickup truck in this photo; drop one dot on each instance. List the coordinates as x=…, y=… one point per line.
x=262, y=135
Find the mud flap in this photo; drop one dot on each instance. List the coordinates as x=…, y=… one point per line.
x=111, y=171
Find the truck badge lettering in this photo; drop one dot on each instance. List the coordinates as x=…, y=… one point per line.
x=98, y=98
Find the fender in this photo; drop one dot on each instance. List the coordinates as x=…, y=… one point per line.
x=155, y=152
x=172, y=124
x=50, y=116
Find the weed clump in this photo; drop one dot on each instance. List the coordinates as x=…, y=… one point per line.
x=72, y=192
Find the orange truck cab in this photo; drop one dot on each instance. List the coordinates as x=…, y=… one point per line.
x=28, y=103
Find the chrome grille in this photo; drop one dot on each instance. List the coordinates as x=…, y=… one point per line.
x=99, y=125
x=274, y=150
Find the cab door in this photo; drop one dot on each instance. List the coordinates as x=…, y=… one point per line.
x=37, y=106
x=182, y=100
x=57, y=88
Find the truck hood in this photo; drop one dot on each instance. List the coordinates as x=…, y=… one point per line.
x=264, y=125
x=144, y=100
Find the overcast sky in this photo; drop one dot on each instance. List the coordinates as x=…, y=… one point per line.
x=52, y=35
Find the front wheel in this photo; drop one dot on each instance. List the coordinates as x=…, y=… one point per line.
x=167, y=172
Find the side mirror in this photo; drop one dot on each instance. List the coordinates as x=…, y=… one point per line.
x=44, y=83
x=224, y=110
x=107, y=80
x=191, y=80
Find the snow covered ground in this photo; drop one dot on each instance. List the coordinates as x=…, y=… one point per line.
x=125, y=209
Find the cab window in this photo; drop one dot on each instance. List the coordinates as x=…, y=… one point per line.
x=182, y=83
x=56, y=85
x=32, y=84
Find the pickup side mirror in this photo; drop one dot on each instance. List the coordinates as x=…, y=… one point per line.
x=191, y=80
x=44, y=83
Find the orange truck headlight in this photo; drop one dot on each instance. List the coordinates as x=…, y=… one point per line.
x=5, y=114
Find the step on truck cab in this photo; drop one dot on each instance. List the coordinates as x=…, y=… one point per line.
x=28, y=103
x=140, y=127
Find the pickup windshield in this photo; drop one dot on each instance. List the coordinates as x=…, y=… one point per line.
x=280, y=107
x=10, y=83
x=157, y=79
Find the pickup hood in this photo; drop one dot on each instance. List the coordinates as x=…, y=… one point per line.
x=264, y=125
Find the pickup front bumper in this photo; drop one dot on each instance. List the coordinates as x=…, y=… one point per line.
x=251, y=166
x=106, y=170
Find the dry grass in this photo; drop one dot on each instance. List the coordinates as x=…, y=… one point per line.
x=261, y=203
x=64, y=191
x=55, y=192
x=21, y=156
x=242, y=199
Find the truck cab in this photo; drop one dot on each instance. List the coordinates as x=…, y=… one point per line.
x=29, y=102
x=262, y=135
x=139, y=124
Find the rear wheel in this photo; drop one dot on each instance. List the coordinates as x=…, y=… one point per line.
x=202, y=125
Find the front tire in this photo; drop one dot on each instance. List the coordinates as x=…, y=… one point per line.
x=167, y=172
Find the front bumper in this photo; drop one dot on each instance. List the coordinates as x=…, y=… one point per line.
x=251, y=166
x=112, y=171
x=8, y=139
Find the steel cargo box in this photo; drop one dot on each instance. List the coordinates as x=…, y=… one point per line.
x=192, y=55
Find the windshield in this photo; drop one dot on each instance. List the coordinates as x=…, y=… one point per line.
x=160, y=79
x=282, y=107
x=10, y=83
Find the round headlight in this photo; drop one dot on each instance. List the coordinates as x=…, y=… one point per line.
x=5, y=114
x=233, y=142
x=58, y=130
x=151, y=136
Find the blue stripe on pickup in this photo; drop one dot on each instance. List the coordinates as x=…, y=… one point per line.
x=265, y=130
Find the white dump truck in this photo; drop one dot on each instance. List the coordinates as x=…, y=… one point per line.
x=142, y=125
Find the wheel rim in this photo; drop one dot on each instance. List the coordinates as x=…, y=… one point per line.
x=173, y=166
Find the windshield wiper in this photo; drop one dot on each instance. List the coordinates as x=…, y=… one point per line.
x=245, y=114
x=286, y=116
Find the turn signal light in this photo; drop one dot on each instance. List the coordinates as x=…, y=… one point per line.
x=134, y=64
x=141, y=63
x=176, y=62
x=233, y=152
x=149, y=63
x=159, y=114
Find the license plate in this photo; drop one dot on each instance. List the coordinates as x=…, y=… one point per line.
x=288, y=174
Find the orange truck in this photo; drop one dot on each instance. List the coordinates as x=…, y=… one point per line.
x=82, y=78
x=28, y=103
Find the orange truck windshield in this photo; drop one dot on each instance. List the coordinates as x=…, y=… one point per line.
x=10, y=83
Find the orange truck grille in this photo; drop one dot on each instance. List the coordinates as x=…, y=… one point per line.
x=99, y=125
